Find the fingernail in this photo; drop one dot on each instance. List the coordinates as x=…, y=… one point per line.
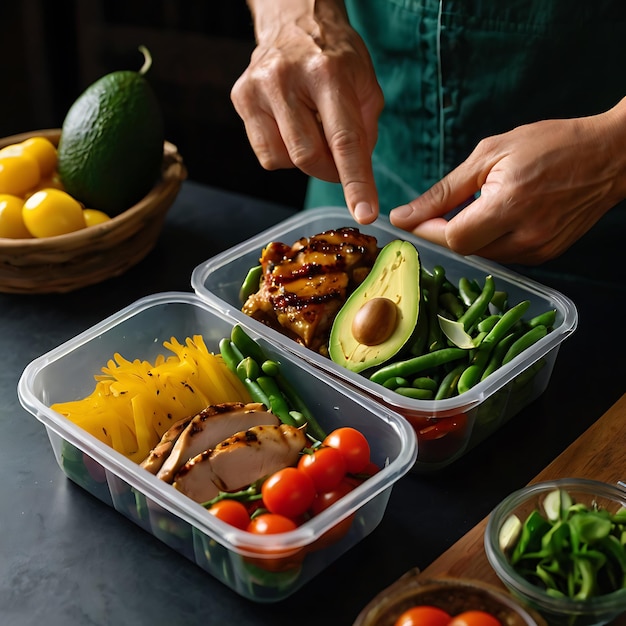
x=363, y=211
x=402, y=212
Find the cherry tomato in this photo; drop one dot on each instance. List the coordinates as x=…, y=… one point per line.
x=438, y=428
x=321, y=502
x=232, y=512
x=423, y=616
x=353, y=446
x=18, y=173
x=288, y=492
x=327, y=498
x=270, y=524
x=93, y=217
x=326, y=467
x=51, y=212
x=11, y=222
x=474, y=618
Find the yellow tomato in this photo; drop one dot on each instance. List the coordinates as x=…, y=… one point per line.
x=43, y=151
x=50, y=182
x=93, y=217
x=11, y=222
x=51, y=212
x=18, y=173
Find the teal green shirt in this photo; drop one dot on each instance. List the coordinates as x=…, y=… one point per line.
x=455, y=71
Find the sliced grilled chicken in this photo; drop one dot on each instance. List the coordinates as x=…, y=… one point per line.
x=305, y=285
x=240, y=460
x=154, y=461
x=211, y=426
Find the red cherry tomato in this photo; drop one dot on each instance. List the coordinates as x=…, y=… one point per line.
x=437, y=428
x=232, y=512
x=270, y=524
x=424, y=616
x=323, y=500
x=474, y=618
x=321, y=503
x=288, y=492
x=326, y=467
x=353, y=446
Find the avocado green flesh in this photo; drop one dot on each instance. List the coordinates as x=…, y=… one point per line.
x=395, y=275
x=111, y=146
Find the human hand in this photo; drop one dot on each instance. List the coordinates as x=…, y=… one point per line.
x=310, y=99
x=542, y=187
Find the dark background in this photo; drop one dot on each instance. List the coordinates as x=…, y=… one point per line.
x=51, y=51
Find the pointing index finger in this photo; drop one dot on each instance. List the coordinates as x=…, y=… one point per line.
x=351, y=145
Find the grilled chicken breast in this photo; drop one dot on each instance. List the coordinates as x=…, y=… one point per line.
x=211, y=426
x=203, y=431
x=240, y=460
x=305, y=285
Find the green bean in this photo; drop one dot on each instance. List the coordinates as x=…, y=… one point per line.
x=271, y=368
x=497, y=354
x=448, y=386
x=472, y=373
x=416, y=394
x=525, y=377
x=278, y=403
x=525, y=341
x=230, y=354
x=449, y=302
x=506, y=322
x=299, y=419
x=478, y=307
x=420, y=336
x=486, y=324
x=424, y=382
x=247, y=346
x=426, y=279
x=467, y=293
x=418, y=364
x=499, y=300
x=256, y=393
x=546, y=319
x=248, y=368
x=396, y=381
x=250, y=283
x=295, y=400
x=434, y=330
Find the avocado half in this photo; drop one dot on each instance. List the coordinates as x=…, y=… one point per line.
x=380, y=316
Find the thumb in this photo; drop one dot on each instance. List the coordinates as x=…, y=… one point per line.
x=451, y=192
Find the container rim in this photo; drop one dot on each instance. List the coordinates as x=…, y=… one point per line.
x=177, y=503
x=468, y=400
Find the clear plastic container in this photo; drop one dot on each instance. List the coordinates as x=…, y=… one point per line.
x=446, y=429
x=262, y=568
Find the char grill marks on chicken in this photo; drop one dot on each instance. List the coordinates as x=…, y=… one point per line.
x=305, y=285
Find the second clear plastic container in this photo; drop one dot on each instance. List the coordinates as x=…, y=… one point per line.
x=446, y=429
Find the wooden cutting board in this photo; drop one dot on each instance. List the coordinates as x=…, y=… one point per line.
x=599, y=453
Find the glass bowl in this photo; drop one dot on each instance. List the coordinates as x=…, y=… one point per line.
x=453, y=595
x=597, y=610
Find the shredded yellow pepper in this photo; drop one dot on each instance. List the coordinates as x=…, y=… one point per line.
x=135, y=402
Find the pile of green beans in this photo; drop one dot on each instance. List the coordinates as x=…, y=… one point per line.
x=436, y=368
x=266, y=383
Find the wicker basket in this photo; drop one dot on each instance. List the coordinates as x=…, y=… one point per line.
x=67, y=262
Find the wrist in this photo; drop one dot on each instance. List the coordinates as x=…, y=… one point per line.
x=270, y=16
x=615, y=128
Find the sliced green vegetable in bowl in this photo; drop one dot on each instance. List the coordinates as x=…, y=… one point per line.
x=561, y=547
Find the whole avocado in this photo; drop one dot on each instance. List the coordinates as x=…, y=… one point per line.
x=111, y=145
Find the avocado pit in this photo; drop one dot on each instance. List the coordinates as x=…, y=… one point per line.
x=375, y=321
